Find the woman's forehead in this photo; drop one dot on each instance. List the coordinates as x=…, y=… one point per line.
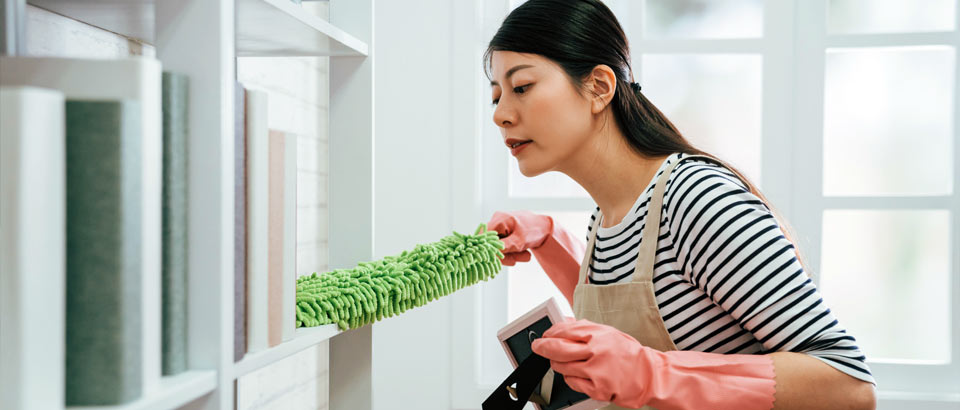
x=508, y=62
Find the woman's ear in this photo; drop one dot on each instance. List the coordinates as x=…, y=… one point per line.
x=602, y=84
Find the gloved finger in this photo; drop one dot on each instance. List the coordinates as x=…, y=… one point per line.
x=512, y=258
x=502, y=222
x=575, y=369
x=587, y=387
x=512, y=243
x=580, y=330
x=561, y=350
x=523, y=256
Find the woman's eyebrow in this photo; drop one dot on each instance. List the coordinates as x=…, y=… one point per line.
x=511, y=71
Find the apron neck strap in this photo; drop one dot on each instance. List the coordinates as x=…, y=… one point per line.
x=651, y=230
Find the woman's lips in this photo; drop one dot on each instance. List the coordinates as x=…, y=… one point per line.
x=515, y=151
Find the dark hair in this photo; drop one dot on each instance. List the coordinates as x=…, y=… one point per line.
x=578, y=35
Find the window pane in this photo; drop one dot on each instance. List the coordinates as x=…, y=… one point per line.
x=889, y=16
x=886, y=277
x=528, y=285
x=888, y=121
x=703, y=18
x=715, y=102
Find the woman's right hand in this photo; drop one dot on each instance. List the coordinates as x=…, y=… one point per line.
x=520, y=232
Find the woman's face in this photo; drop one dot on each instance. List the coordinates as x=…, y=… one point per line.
x=535, y=101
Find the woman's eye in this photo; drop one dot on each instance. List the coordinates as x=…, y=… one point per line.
x=519, y=90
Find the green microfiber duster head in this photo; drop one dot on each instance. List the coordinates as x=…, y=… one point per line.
x=373, y=290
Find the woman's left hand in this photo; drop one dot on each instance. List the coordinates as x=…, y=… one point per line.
x=599, y=361
x=609, y=365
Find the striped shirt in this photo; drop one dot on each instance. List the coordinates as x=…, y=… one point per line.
x=726, y=279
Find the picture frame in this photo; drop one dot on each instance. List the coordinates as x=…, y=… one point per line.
x=516, y=338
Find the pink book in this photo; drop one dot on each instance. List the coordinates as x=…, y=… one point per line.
x=275, y=277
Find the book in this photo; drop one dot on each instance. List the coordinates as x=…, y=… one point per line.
x=275, y=274
x=136, y=79
x=104, y=255
x=257, y=222
x=289, y=299
x=240, y=225
x=32, y=248
x=174, y=214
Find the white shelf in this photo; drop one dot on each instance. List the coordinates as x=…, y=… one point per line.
x=305, y=337
x=130, y=18
x=174, y=391
x=282, y=28
x=264, y=27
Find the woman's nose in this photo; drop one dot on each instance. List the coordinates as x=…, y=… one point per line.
x=503, y=116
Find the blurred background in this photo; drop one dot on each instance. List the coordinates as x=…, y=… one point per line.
x=843, y=112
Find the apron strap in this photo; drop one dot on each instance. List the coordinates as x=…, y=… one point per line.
x=651, y=230
x=589, y=253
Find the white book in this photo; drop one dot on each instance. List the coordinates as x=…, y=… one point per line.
x=138, y=79
x=257, y=219
x=32, y=248
x=289, y=237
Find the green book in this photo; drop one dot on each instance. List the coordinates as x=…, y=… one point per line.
x=104, y=251
x=174, y=229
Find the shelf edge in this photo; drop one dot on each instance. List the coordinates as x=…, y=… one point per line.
x=305, y=338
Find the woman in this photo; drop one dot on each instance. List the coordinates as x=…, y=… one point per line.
x=712, y=309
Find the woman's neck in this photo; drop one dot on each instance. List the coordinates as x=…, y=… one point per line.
x=612, y=173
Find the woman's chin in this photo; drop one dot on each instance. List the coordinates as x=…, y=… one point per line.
x=530, y=171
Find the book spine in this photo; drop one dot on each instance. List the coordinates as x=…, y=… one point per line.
x=276, y=225
x=257, y=222
x=32, y=248
x=137, y=79
x=104, y=354
x=240, y=227
x=149, y=131
x=289, y=298
x=174, y=211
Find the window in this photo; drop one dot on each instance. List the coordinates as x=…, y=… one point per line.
x=844, y=113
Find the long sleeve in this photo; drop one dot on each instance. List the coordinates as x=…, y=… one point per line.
x=728, y=244
x=560, y=256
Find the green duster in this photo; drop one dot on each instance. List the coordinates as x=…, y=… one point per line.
x=373, y=290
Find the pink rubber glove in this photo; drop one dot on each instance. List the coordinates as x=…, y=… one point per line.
x=558, y=251
x=609, y=365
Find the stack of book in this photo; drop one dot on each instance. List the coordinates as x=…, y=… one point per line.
x=269, y=225
x=94, y=229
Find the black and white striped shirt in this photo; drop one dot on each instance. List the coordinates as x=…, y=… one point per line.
x=726, y=278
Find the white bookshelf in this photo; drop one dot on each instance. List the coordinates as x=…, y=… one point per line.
x=305, y=337
x=202, y=39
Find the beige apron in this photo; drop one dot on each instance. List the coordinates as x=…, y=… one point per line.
x=630, y=307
